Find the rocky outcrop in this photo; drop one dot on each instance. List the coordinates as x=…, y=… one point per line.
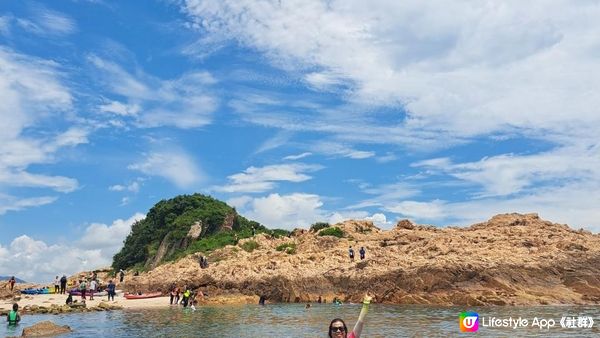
x=45, y=329
x=512, y=259
x=168, y=245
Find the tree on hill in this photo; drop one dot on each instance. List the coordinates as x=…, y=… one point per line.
x=168, y=223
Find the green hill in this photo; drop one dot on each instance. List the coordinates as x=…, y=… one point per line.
x=179, y=226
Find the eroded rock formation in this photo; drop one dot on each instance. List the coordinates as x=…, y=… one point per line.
x=512, y=259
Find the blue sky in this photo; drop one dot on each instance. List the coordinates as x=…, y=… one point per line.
x=291, y=111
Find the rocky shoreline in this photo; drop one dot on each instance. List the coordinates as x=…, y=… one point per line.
x=512, y=259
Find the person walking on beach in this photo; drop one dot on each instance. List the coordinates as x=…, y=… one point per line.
x=13, y=317
x=56, y=285
x=111, y=290
x=351, y=253
x=63, y=284
x=362, y=252
x=11, y=283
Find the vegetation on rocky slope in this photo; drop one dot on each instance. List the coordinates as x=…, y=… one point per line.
x=165, y=232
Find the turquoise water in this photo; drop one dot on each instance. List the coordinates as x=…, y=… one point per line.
x=293, y=320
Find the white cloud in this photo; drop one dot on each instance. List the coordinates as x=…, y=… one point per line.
x=174, y=165
x=286, y=211
x=12, y=203
x=510, y=174
x=57, y=23
x=48, y=23
x=262, y=179
x=36, y=261
x=433, y=210
x=298, y=210
x=133, y=187
x=5, y=25
x=337, y=149
x=108, y=238
x=32, y=92
x=281, y=138
x=471, y=68
x=297, y=157
x=239, y=202
x=385, y=194
x=186, y=102
x=575, y=204
x=389, y=157
x=119, y=108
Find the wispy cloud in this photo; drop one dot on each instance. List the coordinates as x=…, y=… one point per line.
x=263, y=179
x=280, y=139
x=297, y=157
x=508, y=174
x=32, y=92
x=185, y=102
x=175, y=165
x=12, y=203
x=47, y=23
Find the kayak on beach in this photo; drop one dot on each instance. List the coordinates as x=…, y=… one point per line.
x=40, y=291
x=143, y=295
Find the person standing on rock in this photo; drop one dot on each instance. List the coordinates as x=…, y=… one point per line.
x=338, y=329
x=56, y=285
x=82, y=289
x=121, y=275
x=11, y=283
x=362, y=252
x=351, y=253
x=93, y=286
x=63, y=284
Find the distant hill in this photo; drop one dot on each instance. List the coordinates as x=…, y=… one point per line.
x=179, y=226
x=19, y=280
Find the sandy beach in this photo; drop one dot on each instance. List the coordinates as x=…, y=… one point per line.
x=48, y=300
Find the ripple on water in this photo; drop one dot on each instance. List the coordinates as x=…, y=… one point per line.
x=293, y=320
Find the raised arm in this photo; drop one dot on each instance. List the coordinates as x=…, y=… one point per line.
x=361, y=318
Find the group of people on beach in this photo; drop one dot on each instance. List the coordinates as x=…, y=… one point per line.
x=188, y=297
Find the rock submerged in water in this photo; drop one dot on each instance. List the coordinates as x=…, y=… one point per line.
x=45, y=329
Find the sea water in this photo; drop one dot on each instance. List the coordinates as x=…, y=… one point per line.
x=295, y=320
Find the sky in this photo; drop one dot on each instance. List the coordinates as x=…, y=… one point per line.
x=294, y=112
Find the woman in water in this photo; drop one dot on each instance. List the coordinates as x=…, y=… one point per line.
x=338, y=329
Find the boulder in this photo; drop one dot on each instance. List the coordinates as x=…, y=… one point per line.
x=45, y=328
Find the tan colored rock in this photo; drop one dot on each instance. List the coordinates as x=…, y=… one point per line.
x=45, y=328
x=195, y=231
x=405, y=224
x=512, y=259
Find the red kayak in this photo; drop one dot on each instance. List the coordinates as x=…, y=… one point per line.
x=143, y=295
